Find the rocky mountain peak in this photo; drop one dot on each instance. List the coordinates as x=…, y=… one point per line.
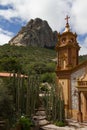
x=37, y=32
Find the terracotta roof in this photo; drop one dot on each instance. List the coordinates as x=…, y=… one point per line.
x=6, y=74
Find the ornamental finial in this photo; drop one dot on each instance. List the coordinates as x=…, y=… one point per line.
x=67, y=28
x=67, y=18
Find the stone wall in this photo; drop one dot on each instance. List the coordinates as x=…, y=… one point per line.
x=74, y=90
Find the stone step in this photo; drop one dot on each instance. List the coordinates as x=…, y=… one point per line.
x=39, y=117
x=40, y=113
x=43, y=122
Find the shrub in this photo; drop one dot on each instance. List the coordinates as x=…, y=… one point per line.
x=60, y=123
x=51, y=67
x=25, y=123
x=44, y=88
x=6, y=102
x=48, y=77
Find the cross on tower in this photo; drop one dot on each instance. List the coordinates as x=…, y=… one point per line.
x=67, y=17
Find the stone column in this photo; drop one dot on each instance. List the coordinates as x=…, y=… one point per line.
x=79, y=114
x=85, y=107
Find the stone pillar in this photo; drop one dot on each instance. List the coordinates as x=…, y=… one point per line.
x=85, y=108
x=79, y=114
x=66, y=111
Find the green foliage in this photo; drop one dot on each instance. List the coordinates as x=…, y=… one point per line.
x=39, y=67
x=48, y=77
x=18, y=96
x=60, y=123
x=10, y=64
x=25, y=123
x=32, y=94
x=51, y=67
x=6, y=101
x=44, y=88
x=82, y=58
x=26, y=59
x=54, y=103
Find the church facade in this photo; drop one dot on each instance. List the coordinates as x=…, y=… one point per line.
x=71, y=75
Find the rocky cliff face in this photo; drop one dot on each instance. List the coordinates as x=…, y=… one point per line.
x=36, y=33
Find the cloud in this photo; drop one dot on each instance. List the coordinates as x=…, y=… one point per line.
x=83, y=50
x=54, y=11
x=5, y=36
x=79, y=16
x=83, y=46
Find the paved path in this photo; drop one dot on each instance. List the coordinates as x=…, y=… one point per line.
x=73, y=125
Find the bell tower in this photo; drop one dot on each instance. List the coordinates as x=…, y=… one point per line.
x=67, y=49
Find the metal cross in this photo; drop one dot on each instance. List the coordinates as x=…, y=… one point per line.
x=67, y=17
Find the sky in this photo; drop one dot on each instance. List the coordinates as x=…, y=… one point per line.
x=16, y=13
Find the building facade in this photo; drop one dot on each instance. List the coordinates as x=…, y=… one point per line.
x=71, y=75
